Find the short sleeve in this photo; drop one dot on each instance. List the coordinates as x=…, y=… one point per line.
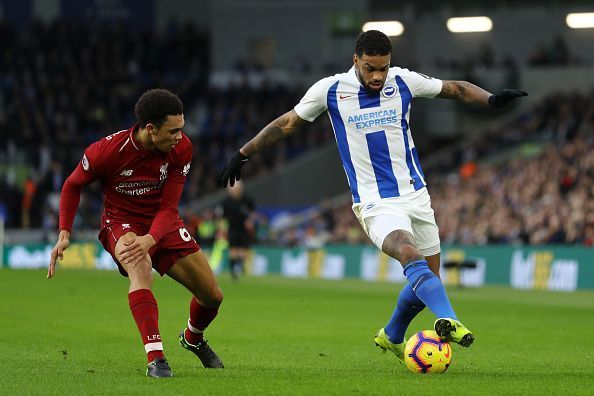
x=422, y=85
x=314, y=101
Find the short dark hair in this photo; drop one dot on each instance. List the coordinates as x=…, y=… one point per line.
x=155, y=105
x=373, y=43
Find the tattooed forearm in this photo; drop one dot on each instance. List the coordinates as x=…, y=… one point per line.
x=272, y=133
x=268, y=137
x=464, y=92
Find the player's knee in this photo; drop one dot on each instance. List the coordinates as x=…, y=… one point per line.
x=217, y=296
x=127, y=237
x=141, y=270
x=408, y=252
x=213, y=299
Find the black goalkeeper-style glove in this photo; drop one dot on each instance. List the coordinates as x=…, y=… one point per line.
x=502, y=98
x=232, y=171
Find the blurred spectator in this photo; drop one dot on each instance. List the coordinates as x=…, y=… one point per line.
x=557, y=54
x=239, y=211
x=207, y=228
x=263, y=229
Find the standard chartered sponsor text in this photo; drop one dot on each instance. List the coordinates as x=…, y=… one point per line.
x=146, y=186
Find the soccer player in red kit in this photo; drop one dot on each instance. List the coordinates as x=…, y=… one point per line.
x=142, y=171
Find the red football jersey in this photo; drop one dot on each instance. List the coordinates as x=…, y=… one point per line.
x=139, y=185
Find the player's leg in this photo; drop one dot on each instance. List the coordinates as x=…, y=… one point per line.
x=242, y=254
x=449, y=329
x=401, y=245
x=426, y=235
x=140, y=275
x=144, y=309
x=424, y=284
x=391, y=337
x=235, y=262
x=434, y=262
x=194, y=273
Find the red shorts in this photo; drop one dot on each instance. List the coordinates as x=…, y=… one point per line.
x=171, y=247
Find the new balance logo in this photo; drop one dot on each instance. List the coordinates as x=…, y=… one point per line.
x=127, y=172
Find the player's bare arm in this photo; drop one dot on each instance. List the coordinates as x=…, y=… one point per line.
x=464, y=92
x=58, y=251
x=469, y=93
x=272, y=133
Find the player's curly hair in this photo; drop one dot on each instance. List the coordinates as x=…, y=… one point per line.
x=155, y=105
x=373, y=43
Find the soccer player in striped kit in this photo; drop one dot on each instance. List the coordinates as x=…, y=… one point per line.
x=369, y=108
x=142, y=171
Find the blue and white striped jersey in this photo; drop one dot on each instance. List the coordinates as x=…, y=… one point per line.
x=372, y=130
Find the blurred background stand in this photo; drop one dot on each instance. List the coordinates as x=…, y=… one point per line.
x=456, y=270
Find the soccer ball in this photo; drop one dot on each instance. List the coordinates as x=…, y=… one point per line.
x=425, y=353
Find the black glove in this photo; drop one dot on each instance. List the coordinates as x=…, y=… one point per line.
x=232, y=171
x=502, y=98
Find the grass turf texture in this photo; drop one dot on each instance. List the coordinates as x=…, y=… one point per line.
x=74, y=334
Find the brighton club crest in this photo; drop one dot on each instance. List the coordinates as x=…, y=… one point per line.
x=389, y=91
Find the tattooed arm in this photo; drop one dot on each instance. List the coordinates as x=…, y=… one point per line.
x=464, y=92
x=272, y=133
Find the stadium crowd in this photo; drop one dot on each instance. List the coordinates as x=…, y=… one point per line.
x=554, y=53
x=546, y=199
x=64, y=85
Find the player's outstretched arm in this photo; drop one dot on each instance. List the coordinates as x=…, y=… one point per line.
x=270, y=135
x=58, y=251
x=469, y=93
x=69, y=200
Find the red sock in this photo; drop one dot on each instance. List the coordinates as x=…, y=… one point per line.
x=200, y=318
x=146, y=314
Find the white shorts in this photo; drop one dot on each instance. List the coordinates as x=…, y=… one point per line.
x=412, y=213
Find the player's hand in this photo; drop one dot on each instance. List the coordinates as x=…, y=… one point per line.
x=136, y=249
x=502, y=98
x=58, y=251
x=232, y=171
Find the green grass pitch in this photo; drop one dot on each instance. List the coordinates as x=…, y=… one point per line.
x=74, y=334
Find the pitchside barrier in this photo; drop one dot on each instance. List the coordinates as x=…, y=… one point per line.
x=545, y=267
